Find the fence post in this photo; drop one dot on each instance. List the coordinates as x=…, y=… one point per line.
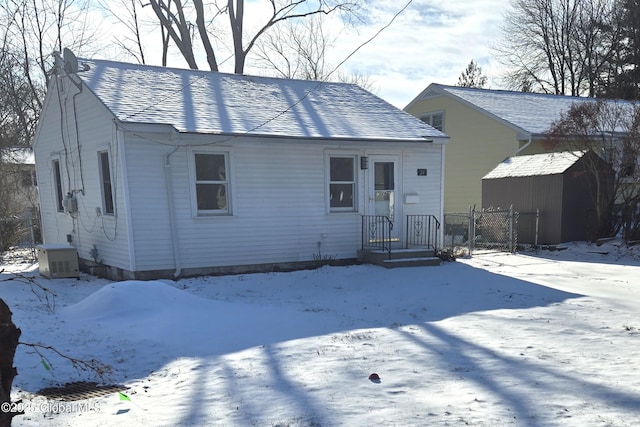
x=537, y=224
x=511, y=229
x=471, y=229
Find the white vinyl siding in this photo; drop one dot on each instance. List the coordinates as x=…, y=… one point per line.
x=79, y=170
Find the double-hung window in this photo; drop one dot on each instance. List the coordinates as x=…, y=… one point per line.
x=105, y=181
x=57, y=182
x=212, y=183
x=342, y=183
x=434, y=119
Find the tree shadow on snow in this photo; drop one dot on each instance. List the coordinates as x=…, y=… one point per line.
x=153, y=330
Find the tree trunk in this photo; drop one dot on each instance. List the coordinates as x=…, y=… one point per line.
x=9, y=335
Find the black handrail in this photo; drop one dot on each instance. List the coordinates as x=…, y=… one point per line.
x=376, y=232
x=422, y=231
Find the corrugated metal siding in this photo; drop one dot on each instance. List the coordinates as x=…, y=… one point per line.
x=567, y=201
x=527, y=194
x=579, y=220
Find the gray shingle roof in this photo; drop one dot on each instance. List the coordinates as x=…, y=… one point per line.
x=210, y=102
x=535, y=165
x=533, y=113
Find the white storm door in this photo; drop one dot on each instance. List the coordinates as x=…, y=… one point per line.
x=383, y=191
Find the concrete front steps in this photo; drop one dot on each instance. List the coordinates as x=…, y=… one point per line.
x=412, y=257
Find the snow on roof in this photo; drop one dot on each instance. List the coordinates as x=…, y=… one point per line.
x=211, y=102
x=532, y=112
x=535, y=165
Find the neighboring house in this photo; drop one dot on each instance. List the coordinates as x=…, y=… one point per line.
x=18, y=197
x=568, y=191
x=160, y=172
x=18, y=179
x=485, y=127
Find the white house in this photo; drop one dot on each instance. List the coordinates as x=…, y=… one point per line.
x=157, y=172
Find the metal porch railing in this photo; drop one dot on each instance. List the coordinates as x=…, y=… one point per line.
x=376, y=233
x=422, y=231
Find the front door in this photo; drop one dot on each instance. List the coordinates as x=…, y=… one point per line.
x=383, y=191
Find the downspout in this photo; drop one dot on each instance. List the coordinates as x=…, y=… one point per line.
x=172, y=213
x=521, y=149
x=442, y=212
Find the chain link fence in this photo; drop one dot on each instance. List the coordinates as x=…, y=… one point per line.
x=456, y=233
x=20, y=232
x=494, y=229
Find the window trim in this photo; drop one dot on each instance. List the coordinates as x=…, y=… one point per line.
x=105, y=205
x=228, y=161
x=354, y=182
x=58, y=188
x=428, y=119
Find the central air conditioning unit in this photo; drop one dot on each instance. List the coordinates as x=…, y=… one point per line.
x=57, y=261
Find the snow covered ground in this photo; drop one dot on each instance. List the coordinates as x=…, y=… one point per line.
x=534, y=339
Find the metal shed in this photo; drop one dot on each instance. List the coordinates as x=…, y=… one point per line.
x=561, y=186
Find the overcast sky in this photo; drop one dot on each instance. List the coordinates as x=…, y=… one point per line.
x=431, y=41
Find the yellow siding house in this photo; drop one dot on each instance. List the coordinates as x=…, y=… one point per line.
x=485, y=127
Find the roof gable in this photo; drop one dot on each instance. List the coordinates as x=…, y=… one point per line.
x=219, y=103
x=535, y=165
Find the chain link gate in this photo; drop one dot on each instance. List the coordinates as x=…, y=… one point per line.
x=494, y=229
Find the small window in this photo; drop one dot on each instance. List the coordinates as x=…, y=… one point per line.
x=105, y=179
x=434, y=119
x=342, y=184
x=212, y=184
x=57, y=180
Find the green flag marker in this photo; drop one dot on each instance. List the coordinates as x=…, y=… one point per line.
x=123, y=396
x=45, y=364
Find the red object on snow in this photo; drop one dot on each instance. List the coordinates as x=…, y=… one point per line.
x=374, y=377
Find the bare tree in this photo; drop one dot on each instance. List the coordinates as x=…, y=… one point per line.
x=299, y=50
x=128, y=14
x=558, y=46
x=182, y=20
x=30, y=30
x=472, y=76
x=612, y=130
x=18, y=115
